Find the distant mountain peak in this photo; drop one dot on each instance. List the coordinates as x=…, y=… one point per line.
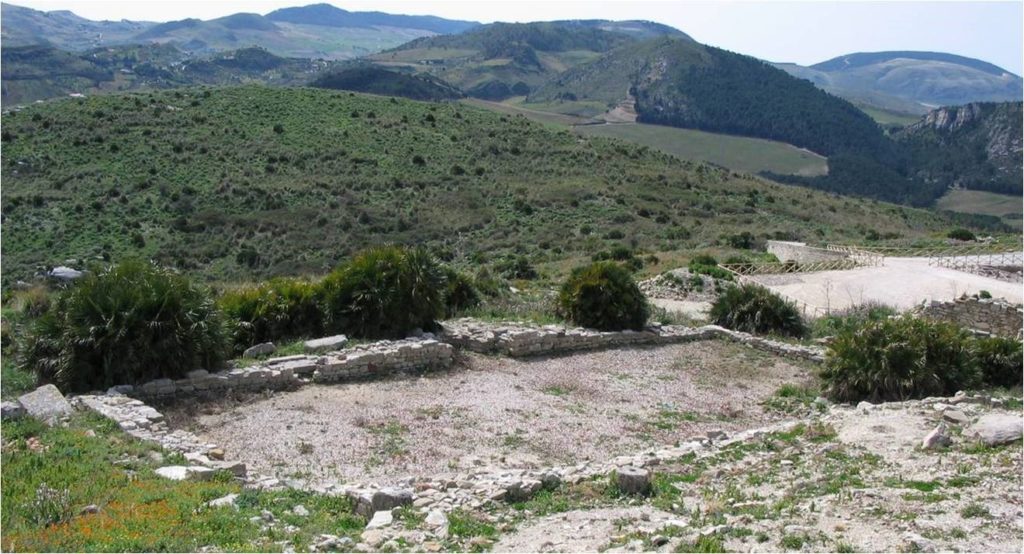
x=859, y=59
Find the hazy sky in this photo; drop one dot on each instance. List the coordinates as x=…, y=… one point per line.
x=802, y=32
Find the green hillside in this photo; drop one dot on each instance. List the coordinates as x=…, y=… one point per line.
x=32, y=73
x=740, y=153
x=500, y=60
x=685, y=84
x=246, y=182
x=1004, y=206
x=374, y=80
x=976, y=146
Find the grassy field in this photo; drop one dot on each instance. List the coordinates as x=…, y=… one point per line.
x=885, y=117
x=738, y=153
x=552, y=118
x=248, y=182
x=51, y=475
x=1004, y=206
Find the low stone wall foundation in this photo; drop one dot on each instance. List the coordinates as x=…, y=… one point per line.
x=996, y=317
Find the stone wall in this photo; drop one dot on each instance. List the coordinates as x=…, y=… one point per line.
x=430, y=353
x=517, y=340
x=993, y=316
x=800, y=252
x=289, y=372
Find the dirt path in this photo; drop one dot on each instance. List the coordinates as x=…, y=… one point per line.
x=500, y=412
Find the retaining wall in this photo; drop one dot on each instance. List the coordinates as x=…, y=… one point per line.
x=993, y=316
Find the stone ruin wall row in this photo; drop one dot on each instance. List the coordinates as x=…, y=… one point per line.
x=384, y=358
x=991, y=316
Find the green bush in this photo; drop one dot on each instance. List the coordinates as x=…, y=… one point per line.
x=999, y=360
x=706, y=264
x=516, y=268
x=850, y=318
x=755, y=309
x=603, y=296
x=129, y=323
x=961, y=234
x=384, y=292
x=459, y=293
x=900, y=358
x=279, y=309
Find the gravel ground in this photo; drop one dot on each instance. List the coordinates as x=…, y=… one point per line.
x=498, y=411
x=900, y=282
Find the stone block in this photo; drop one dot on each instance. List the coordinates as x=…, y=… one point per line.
x=259, y=350
x=46, y=404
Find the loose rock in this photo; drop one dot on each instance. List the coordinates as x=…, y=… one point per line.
x=633, y=480
x=996, y=429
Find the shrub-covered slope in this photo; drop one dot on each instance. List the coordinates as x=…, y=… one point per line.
x=250, y=182
x=375, y=80
x=40, y=72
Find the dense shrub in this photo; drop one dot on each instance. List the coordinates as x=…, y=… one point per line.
x=603, y=296
x=850, y=318
x=999, y=361
x=961, y=234
x=279, y=309
x=899, y=358
x=384, y=292
x=459, y=293
x=622, y=254
x=706, y=264
x=755, y=309
x=129, y=323
x=516, y=268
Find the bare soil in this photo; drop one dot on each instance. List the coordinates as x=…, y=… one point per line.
x=498, y=411
x=899, y=282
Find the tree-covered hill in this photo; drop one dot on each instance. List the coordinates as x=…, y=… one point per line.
x=977, y=147
x=500, y=60
x=685, y=84
x=246, y=182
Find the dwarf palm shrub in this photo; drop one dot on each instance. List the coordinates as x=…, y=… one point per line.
x=385, y=292
x=278, y=309
x=459, y=293
x=755, y=309
x=899, y=358
x=603, y=296
x=125, y=324
x=999, y=360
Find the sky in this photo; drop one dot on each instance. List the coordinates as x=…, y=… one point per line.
x=804, y=32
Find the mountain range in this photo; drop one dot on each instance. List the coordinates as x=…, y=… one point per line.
x=596, y=71
x=314, y=31
x=911, y=82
